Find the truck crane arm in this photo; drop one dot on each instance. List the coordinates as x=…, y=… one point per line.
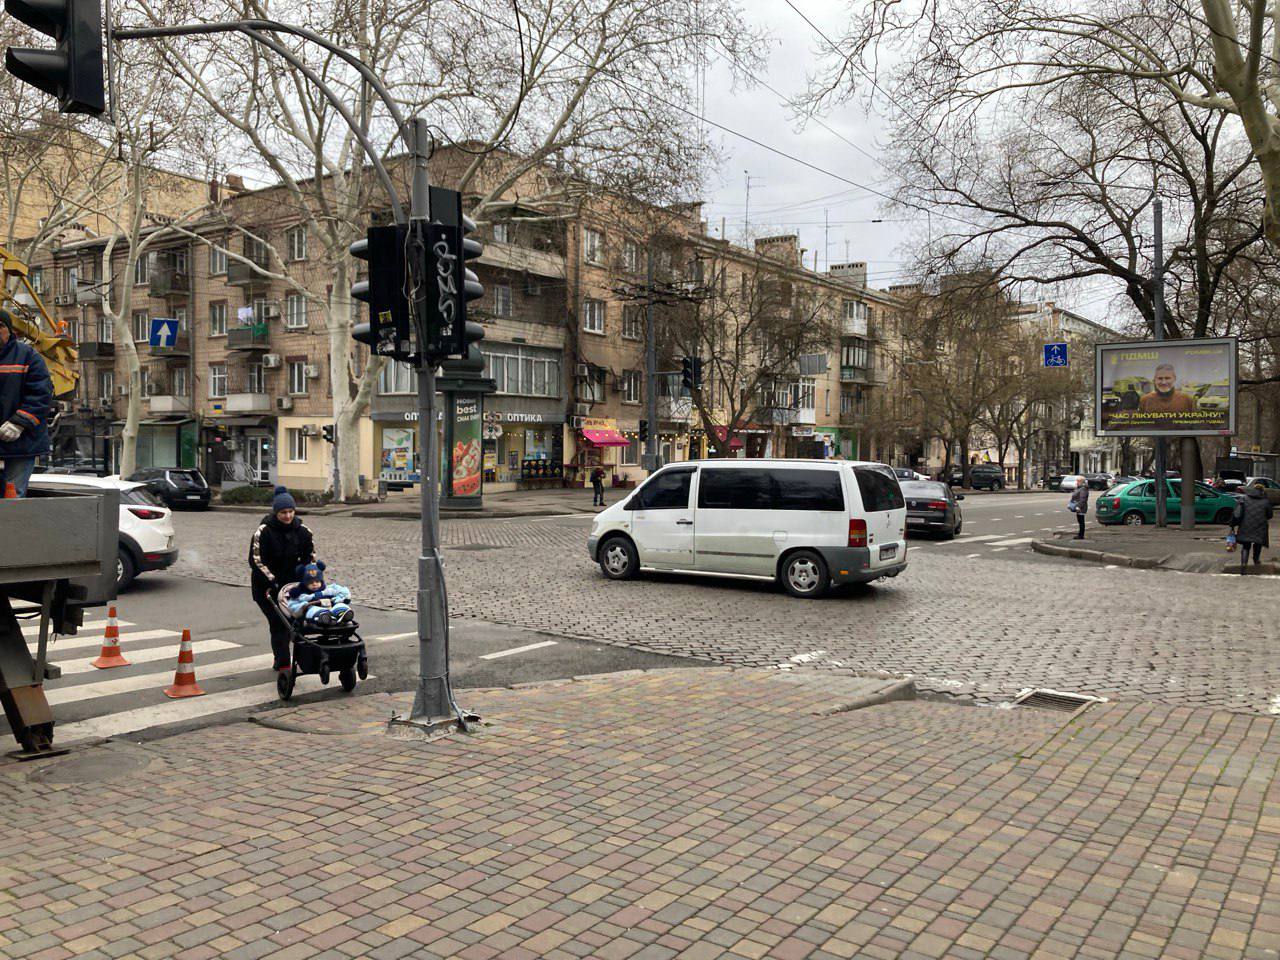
x=30, y=319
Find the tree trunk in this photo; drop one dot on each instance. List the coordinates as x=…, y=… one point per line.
x=1190, y=469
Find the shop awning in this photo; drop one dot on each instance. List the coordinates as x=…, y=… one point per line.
x=605, y=438
x=241, y=421
x=734, y=444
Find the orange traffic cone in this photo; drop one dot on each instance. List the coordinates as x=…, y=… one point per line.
x=10, y=492
x=184, y=678
x=110, y=655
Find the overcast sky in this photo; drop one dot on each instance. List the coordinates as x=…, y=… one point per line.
x=788, y=197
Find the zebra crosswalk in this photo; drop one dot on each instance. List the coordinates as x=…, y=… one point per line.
x=90, y=703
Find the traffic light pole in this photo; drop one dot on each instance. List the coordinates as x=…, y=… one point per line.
x=650, y=367
x=1157, y=333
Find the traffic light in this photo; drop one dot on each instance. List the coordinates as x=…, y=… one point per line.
x=327, y=431
x=387, y=333
x=450, y=284
x=690, y=373
x=644, y=430
x=697, y=372
x=72, y=70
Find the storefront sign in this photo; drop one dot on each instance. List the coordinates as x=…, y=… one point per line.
x=802, y=431
x=491, y=431
x=599, y=423
x=465, y=457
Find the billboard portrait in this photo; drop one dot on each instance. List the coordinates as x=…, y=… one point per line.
x=1153, y=388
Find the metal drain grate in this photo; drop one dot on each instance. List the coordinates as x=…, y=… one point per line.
x=1055, y=700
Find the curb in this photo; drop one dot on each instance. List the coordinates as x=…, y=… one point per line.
x=1097, y=556
x=902, y=690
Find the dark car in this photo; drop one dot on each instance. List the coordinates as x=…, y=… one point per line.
x=932, y=506
x=986, y=476
x=1100, y=481
x=1053, y=481
x=176, y=487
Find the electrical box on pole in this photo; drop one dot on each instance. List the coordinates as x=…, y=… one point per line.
x=72, y=70
x=388, y=332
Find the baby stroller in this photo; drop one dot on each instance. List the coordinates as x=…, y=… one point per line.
x=320, y=649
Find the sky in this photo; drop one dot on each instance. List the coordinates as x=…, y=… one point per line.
x=833, y=218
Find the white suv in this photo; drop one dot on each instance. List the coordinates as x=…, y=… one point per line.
x=147, y=540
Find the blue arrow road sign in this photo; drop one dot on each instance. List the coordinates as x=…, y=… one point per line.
x=1055, y=354
x=164, y=332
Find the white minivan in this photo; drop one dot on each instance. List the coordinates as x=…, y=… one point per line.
x=805, y=523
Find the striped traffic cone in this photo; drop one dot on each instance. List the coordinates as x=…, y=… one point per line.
x=110, y=655
x=184, y=678
x=10, y=492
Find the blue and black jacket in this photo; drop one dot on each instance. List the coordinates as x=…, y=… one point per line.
x=26, y=399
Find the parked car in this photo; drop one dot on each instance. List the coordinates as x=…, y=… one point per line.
x=147, y=540
x=1232, y=480
x=806, y=524
x=1135, y=503
x=1071, y=481
x=1270, y=487
x=1100, y=481
x=1053, y=481
x=932, y=506
x=176, y=487
x=906, y=473
x=986, y=476
x=81, y=466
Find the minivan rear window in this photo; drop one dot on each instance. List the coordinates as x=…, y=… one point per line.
x=772, y=488
x=879, y=492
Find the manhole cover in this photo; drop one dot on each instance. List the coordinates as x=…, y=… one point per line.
x=107, y=761
x=475, y=546
x=1055, y=700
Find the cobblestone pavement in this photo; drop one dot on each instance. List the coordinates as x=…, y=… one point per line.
x=689, y=814
x=970, y=628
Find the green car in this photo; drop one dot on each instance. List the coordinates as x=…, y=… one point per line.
x=1135, y=503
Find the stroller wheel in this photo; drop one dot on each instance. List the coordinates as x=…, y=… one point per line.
x=347, y=678
x=324, y=674
x=362, y=668
x=284, y=683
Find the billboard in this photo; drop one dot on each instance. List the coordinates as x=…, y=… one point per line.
x=1183, y=388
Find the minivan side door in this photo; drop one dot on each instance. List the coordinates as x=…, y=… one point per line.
x=662, y=519
x=734, y=531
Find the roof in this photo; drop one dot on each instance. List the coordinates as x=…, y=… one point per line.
x=765, y=461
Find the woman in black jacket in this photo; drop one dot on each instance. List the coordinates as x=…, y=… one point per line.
x=1250, y=524
x=279, y=545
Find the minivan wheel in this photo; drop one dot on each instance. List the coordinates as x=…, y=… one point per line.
x=618, y=558
x=126, y=569
x=804, y=574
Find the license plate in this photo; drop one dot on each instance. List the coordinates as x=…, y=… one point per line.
x=915, y=519
x=193, y=496
x=888, y=553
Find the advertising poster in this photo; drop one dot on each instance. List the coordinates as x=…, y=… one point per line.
x=465, y=457
x=1167, y=388
x=397, y=454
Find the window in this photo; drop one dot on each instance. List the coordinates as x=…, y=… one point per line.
x=631, y=256
x=217, y=260
x=803, y=395
x=144, y=380
x=255, y=380
x=502, y=232
x=668, y=490
x=592, y=389
x=295, y=240
x=593, y=316
x=397, y=377
x=179, y=381
x=217, y=380
x=631, y=386
x=735, y=490
x=256, y=250
x=297, y=442
x=525, y=371
x=633, y=322
x=217, y=319
x=142, y=269
x=295, y=311
x=297, y=377
x=631, y=453
x=502, y=299
x=260, y=309
x=106, y=330
x=141, y=327
x=106, y=384
x=70, y=280
x=180, y=260
x=592, y=246
x=807, y=490
x=37, y=280
x=879, y=491
x=1144, y=490
x=856, y=353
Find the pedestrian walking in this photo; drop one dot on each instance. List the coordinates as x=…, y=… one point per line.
x=1250, y=524
x=26, y=401
x=278, y=547
x=1079, y=505
x=597, y=487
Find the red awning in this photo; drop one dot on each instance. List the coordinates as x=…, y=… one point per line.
x=734, y=444
x=604, y=438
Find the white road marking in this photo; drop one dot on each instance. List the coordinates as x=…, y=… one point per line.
x=1020, y=517
x=78, y=643
x=993, y=519
x=972, y=555
x=999, y=549
x=1017, y=541
x=102, y=624
x=85, y=664
x=983, y=536
x=1110, y=566
x=154, y=679
x=1274, y=709
x=396, y=636
x=515, y=650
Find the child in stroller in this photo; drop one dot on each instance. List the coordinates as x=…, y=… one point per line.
x=317, y=603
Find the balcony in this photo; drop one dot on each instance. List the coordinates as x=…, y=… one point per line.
x=241, y=274
x=168, y=281
x=778, y=416
x=166, y=403
x=247, y=403
x=852, y=374
x=852, y=418
x=96, y=349
x=181, y=347
x=853, y=327
x=248, y=338
x=675, y=408
x=806, y=416
x=521, y=259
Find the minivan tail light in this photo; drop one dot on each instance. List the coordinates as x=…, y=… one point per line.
x=857, y=533
x=144, y=513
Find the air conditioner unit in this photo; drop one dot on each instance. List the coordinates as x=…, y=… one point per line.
x=576, y=422
x=312, y=370
x=105, y=403
x=582, y=409
x=122, y=390
x=270, y=313
x=284, y=403
x=583, y=371
x=270, y=361
x=63, y=299
x=308, y=429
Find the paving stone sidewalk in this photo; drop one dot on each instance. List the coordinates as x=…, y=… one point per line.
x=1200, y=550
x=668, y=814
